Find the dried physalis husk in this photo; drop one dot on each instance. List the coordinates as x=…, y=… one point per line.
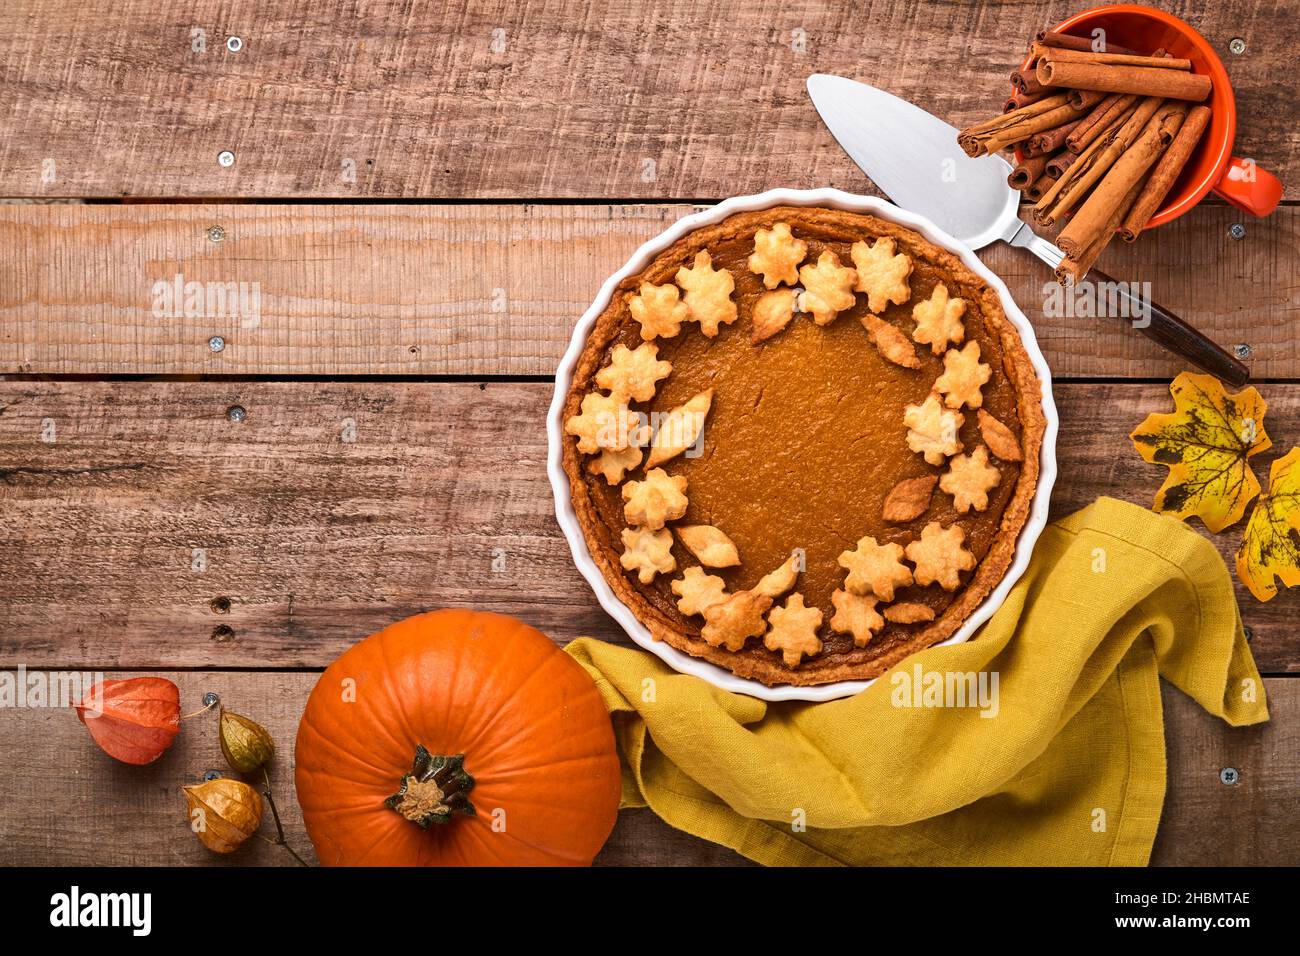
x=245, y=743
x=223, y=813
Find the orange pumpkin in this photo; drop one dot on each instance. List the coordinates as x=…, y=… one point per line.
x=456, y=738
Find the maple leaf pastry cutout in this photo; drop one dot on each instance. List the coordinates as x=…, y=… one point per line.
x=777, y=254
x=732, y=622
x=614, y=465
x=605, y=422
x=697, y=591
x=648, y=553
x=793, y=631
x=633, y=374
x=939, y=320
x=828, y=288
x=963, y=377
x=708, y=294
x=932, y=430
x=655, y=501
x=969, y=479
x=1205, y=442
x=659, y=310
x=882, y=273
x=939, y=556
x=856, y=614
x=875, y=568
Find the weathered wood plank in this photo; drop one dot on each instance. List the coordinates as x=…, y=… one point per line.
x=494, y=99
x=67, y=803
x=495, y=290
x=336, y=508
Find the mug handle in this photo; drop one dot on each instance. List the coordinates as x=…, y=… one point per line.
x=1249, y=187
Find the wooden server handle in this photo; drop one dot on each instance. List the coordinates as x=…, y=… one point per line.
x=1171, y=332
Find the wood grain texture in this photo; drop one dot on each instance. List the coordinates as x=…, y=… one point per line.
x=318, y=540
x=68, y=803
x=494, y=99
x=496, y=290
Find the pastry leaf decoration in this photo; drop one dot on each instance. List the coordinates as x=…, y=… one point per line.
x=1205, y=442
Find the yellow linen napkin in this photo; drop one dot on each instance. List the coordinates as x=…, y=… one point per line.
x=1068, y=768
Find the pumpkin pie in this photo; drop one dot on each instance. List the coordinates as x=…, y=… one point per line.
x=802, y=444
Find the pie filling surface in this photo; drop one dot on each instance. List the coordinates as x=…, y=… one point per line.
x=804, y=442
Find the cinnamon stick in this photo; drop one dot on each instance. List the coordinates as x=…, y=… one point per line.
x=1157, y=60
x=1053, y=201
x=1039, y=186
x=1049, y=140
x=1084, y=99
x=1165, y=173
x=992, y=135
x=1023, y=176
x=1130, y=168
x=1026, y=81
x=1074, y=268
x=1166, y=84
x=1063, y=41
x=1059, y=163
x=1096, y=122
x=1093, y=163
x=1019, y=99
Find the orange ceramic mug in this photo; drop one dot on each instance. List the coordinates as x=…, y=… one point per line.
x=1212, y=165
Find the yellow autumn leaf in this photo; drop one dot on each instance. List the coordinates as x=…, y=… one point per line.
x=1205, y=442
x=1271, y=545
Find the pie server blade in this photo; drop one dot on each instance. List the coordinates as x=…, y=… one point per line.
x=913, y=157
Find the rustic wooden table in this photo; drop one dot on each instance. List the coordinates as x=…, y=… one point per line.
x=427, y=197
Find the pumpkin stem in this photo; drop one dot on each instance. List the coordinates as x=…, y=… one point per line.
x=435, y=789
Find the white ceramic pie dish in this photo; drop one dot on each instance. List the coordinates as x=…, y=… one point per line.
x=568, y=519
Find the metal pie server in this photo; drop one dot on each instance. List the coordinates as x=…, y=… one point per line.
x=913, y=157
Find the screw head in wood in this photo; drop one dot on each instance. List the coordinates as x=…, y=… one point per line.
x=211, y=699
x=1249, y=632
x=216, y=343
x=1237, y=45
x=225, y=158
x=236, y=413
x=1237, y=230
x=234, y=44
x=1242, y=350
x=216, y=233
x=211, y=775
x=1229, y=776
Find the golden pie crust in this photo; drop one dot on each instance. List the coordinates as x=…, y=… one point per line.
x=805, y=441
